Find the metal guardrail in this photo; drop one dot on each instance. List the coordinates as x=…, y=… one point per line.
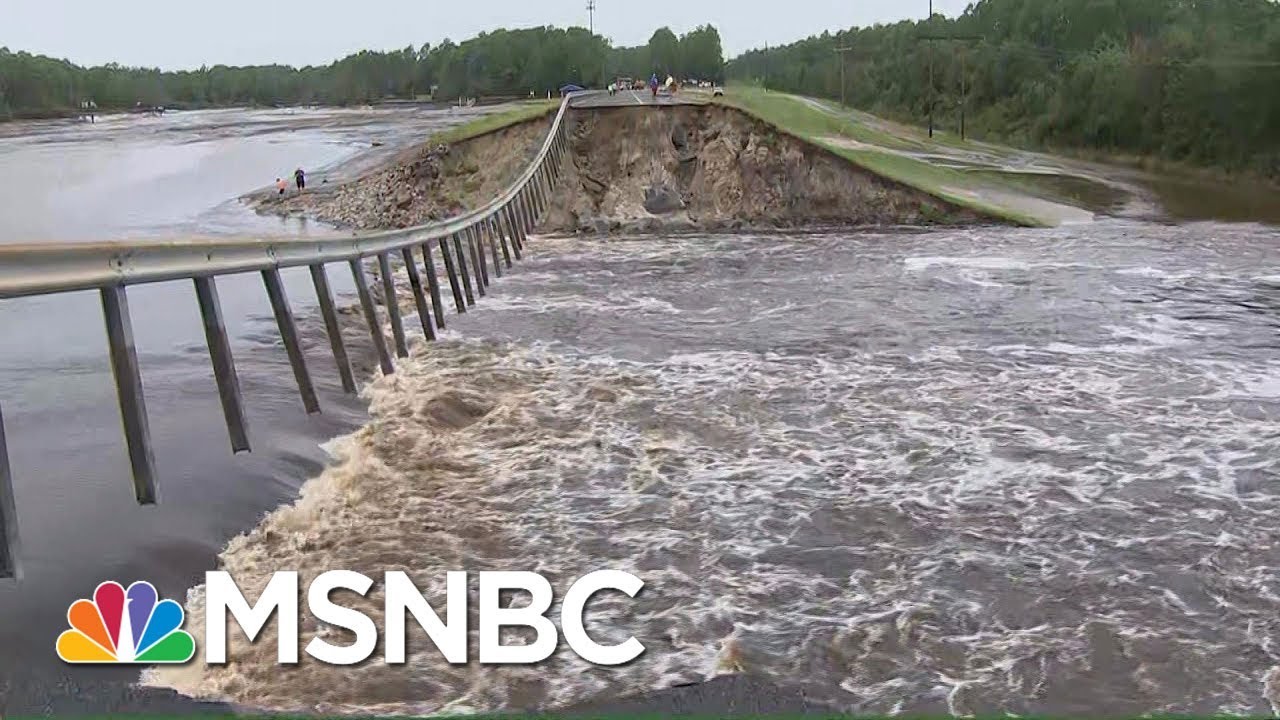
x=501, y=228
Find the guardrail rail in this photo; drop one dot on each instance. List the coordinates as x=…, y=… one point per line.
x=500, y=229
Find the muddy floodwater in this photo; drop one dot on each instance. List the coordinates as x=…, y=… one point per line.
x=959, y=471
x=156, y=177
x=978, y=471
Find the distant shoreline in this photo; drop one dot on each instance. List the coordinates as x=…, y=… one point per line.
x=76, y=113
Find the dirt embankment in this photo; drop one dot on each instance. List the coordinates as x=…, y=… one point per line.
x=425, y=183
x=712, y=167
x=642, y=169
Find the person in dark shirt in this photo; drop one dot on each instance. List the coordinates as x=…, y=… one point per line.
x=300, y=179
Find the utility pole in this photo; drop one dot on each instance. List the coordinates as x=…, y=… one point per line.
x=964, y=80
x=931, y=94
x=591, y=15
x=766, y=67
x=842, y=51
x=964, y=89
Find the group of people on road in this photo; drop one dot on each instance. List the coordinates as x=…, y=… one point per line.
x=653, y=84
x=299, y=179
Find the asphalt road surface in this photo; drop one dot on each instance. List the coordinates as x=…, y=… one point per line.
x=628, y=98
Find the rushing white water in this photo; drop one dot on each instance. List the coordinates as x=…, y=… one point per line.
x=966, y=471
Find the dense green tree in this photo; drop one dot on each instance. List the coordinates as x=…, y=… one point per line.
x=701, y=55
x=499, y=63
x=1194, y=80
x=664, y=51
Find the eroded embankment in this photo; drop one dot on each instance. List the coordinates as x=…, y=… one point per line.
x=428, y=182
x=712, y=167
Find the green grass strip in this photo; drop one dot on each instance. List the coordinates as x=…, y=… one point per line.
x=818, y=123
x=486, y=124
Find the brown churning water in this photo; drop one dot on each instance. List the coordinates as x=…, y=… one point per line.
x=972, y=471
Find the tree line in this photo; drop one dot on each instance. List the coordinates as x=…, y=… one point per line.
x=1190, y=80
x=498, y=63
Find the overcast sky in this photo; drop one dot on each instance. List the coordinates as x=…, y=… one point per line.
x=181, y=34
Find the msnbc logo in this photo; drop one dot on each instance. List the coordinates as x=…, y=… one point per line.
x=119, y=626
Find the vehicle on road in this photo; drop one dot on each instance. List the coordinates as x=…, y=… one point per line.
x=717, y=91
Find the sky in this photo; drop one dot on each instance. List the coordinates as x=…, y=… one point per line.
x=180, y=34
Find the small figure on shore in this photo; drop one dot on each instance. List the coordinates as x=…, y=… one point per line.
x=300, y=179
x=281, y=185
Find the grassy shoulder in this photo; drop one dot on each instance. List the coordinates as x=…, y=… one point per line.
x=486, y=124
x=872, y=148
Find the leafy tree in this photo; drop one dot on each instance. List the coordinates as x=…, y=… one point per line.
x=664, y=51
x=701, y=55
x=499, y=63
x=1192, y=80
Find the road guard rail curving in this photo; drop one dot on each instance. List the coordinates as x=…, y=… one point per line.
x=500, y=228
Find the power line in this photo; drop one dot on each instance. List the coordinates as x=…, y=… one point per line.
x=591, y=16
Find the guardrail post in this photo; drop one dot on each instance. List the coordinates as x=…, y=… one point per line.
x=371, y=316
x=320, y=279
x=461, y=258
x=502, y=221
x=453, y=277
x=559, y=151
x=483, y=236
x=514, y=227
x=133, y=407
x=468, y=243
x=539, y=198
x=10, y=547
x=224, y=365
x=531, y=206
x=289, y=333
x=526, y=216
x=477, y=258
x=419, y=300
x=433, y=283
x=393, y=305
x=521, y=219
x=491, y=231
x=508, y=217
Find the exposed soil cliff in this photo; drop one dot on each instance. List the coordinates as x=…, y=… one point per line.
x=641, y=169
x=712, y=167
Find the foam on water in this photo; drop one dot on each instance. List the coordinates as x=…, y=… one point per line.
x=1056, y=496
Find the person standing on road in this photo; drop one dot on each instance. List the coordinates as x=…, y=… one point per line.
x=653, y=85
x=300, y=179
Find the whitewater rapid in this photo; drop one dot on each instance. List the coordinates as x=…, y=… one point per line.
x=969, y=471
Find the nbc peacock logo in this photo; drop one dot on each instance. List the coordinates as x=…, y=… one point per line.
x=119, y=626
